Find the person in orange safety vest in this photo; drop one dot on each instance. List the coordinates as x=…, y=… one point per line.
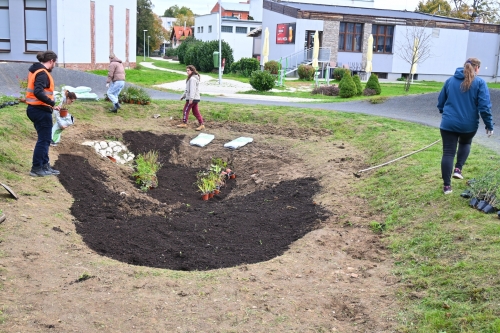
x=41, y=103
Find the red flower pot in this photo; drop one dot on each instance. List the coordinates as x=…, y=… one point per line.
x=204, y=196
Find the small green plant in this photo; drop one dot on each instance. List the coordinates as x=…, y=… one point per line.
x=373, y=84
x=377, y=227
x=85, y=276
x=220, y=162
x=147, y=166
x=262, y=81
x=378, y=100
x=205, y=185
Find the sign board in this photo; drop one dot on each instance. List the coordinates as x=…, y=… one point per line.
x=285, y=33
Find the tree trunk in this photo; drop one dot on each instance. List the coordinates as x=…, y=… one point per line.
x=408, y=82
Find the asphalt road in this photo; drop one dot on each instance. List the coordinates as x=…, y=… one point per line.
x=415, y=108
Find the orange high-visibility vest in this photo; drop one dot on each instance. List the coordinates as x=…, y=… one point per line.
x=30, y=91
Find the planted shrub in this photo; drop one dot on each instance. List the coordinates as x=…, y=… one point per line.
x=326, y=90
x=245, y=66
x=347, y=87
x=306, y=72
x=373, y=84
x=205, y=56
x=369, y=92
x=338, y=73
x=171, y=52
x=272, y=66
x=181, y=50
x=235, y=67
x=262, y=80
x=357, y=82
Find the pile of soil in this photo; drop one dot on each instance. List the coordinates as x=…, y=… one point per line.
x=177, y=230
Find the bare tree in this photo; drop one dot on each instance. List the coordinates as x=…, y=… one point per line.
x=415, y=48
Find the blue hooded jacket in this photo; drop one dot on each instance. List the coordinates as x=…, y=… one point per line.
x=460, y=109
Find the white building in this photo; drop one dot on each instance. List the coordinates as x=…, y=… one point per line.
x=344, y=31
x=82, y=33
x=234, y=32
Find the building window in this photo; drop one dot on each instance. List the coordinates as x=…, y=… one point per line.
x=209, y=29
x=198, y=30
x=381, y=75
x=4, y=26
x=201, y=29
x=226, y=28
x=382, y=38
x=241, y=30
x=35, y=21
x=350, y=37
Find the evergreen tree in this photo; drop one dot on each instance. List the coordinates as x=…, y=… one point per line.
x=373, y=84
x=357, y=82
x=347, y=87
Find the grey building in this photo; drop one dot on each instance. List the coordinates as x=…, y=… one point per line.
x=344, y=32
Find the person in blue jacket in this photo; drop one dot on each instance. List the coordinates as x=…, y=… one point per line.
x=464, y=98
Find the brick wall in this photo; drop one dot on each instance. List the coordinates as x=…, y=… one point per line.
x=367, y=30
x=331, y=38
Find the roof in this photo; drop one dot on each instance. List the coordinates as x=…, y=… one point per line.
x=180, y=31
x=375, y=12
x=235, y=7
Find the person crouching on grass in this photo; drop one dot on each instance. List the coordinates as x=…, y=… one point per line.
x=192, y=96
x=63, y=120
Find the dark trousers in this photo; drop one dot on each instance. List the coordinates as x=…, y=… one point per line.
x=450, y=141
x=42, y=120
x=196, y=112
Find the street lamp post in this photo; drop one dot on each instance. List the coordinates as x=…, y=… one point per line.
x=148, y=46
x=220, y=44
x=144, y=47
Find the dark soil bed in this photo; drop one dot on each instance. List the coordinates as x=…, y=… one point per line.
x=171, y=227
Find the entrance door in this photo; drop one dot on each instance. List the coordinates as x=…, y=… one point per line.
x=309, y=41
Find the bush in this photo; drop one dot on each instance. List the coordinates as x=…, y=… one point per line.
x=245, y=66
x=235, y=67
x=191, y=55
x=171, y=52
x=272, y=66
x=369, y=92
x=373, y=84
x=306, y=72
x=347, y=87
x=357, y=82
x=326, y=90
x=205, y=56
x=338, y=73
x=181, y=50
x=262, y=80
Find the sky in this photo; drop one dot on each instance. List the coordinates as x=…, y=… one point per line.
x=202, y=7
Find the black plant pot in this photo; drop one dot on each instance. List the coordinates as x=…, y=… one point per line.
x=473, y=202
x=481, y=204
x=466, y=194
x=5, y=104
x=488, y=209
x=11, y=103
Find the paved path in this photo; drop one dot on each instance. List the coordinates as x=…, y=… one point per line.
x=415, y=108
